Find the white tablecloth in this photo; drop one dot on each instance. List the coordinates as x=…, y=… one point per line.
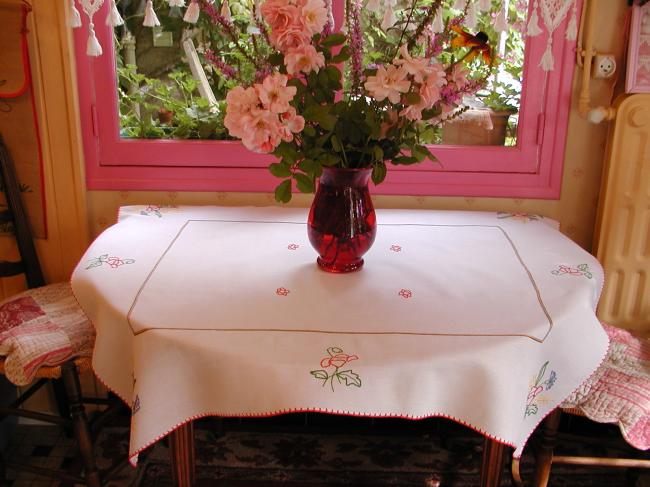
x=484, y=318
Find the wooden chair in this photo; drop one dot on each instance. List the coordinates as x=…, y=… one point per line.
x=25, y=308
x=619, y=393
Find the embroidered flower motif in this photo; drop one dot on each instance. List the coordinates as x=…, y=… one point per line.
x=152, y=210
x=538, y=386
x=521, y=216
x=337, y=358
x=580, y=270
x=281, y=291
x=112, y=261
x=396, y=248
x=405, y=293
x=293, y=246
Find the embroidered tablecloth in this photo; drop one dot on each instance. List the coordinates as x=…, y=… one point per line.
x=484, y=318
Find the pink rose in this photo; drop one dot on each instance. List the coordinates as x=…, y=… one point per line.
x=303, y=58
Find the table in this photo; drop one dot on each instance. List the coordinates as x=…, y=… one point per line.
x=484, y=318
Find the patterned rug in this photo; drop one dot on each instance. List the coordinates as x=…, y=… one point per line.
x=317, y=451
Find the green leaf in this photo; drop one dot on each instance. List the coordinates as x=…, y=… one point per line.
x=342, y=56
x=304, y=183
x=335, y=39
x=378, y=153
x=379, y=173
x=321, y=115
x=320, y=374
x=309, y=131
x=280, y=170
x=422, y=152
x=405, y=160
x=336, y=144
x=283, y=191
x=350, y=378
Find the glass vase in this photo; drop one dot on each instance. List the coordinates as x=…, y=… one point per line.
x=342, y=224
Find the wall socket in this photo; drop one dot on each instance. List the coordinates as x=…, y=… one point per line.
x=604, y=66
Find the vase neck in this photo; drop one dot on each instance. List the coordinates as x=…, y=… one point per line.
x=337, y=176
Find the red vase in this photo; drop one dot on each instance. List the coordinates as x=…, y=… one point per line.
x=342, y=224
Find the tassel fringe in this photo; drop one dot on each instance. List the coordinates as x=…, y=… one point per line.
x=150, y=18
x=501, y=21
x=176, y=3
x=484, y=5
x=373, y=5
x=192, y=13
x=75, y=18
x=470, y=18
x=533, y=28
x=114, y=18
x=438, y=24
x=93, y=48
x=572, y=29
x=547, y=61
x=225, y=10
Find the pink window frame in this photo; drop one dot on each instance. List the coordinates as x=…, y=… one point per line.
x=532, y=169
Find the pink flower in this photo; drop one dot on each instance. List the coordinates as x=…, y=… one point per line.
x=295, y=123
x=417, y=67
x=262, y=132
x=274, y=93
x=388, y=83
x=458, y=75
x=279, y=14
x=239, y=104
x=293, y=35
x=314, y=16
x=303, y=58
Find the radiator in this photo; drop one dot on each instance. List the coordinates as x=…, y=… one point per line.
x=622, y=233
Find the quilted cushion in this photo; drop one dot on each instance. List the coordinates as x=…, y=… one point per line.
x=619, y=391
x=42, y=326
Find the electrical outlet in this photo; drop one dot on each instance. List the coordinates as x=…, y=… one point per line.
x=604, y=65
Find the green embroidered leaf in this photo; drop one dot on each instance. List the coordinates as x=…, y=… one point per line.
x=542, y=371
x=319, y=374
x=334, y=350
x=350, y=378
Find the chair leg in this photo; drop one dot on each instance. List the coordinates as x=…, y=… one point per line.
x=3, y=470
x=70, y=378
x=544, y=457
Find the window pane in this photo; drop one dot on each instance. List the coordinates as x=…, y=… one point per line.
x=491, y=117
x=162, y=95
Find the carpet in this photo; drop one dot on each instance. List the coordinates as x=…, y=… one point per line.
x=442, y=455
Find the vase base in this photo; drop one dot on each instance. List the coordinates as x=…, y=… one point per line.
x=338, y=268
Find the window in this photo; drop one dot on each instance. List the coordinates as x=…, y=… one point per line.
x=527, y=163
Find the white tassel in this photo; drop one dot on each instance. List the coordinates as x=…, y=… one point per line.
x=470, y=18
x=572, y=29
x=459, y=4
x=176, y=3
x=225, y=10
x=389, y=18
x=93, y=48
x=113, y=19
x=547, y=59
x=75, y=19
x=484, y=5
x=501, y=21
x=192, y=13
x=150, y=18
x=373, y=5
x=533, y=28
x=438, y=24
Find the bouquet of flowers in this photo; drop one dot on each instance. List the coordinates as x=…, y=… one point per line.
x=304, y=93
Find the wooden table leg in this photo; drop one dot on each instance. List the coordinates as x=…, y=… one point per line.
x=181, y=446
x=492, y=464
x=544, y=457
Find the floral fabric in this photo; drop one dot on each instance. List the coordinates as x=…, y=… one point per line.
x=42, y=326
x=619, y=391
